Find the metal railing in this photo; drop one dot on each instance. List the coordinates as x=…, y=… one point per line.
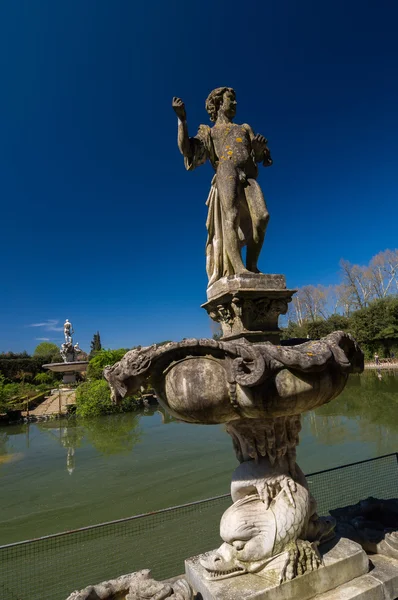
x=51, y=567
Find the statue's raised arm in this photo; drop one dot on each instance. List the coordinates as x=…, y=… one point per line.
x=184, y=143
x=195, y=150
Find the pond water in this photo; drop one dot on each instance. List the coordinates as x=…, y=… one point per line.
x=60, y=475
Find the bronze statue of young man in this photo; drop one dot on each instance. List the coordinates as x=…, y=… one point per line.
x=237, y=212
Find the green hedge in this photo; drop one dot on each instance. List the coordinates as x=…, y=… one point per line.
x=10, y=367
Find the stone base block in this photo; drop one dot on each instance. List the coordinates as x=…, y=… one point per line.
x=343, y=559
x=381, y=583
x=248, y=306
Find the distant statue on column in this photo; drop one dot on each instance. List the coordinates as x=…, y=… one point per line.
x=68, y=331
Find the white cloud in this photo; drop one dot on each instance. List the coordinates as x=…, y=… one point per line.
x=43, y=339
x=49, y=325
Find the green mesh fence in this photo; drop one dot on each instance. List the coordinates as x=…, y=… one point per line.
x=50, y=568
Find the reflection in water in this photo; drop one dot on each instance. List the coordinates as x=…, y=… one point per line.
x=114, y=434
x=6, y=454
x=8, y=458
x=166, y=417
x=368, y=408
x=71, y=437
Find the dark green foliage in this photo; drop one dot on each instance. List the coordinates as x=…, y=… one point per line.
x=321, y=328
x=11, y=368
x=376, y=327
x=22, y=367
x=93, y=398
x=294, y=330
x=14, y=395
x=47, y=378
x=102, y=359
x=11, y=355
x=95, y=344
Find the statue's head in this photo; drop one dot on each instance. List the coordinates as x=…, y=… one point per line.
x=248, y=530
x=67, y=321
x=223, y=98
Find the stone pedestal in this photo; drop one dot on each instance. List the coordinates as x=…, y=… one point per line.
x=343, y=559
x=248, y=306
x=381, y=583
x=69, y=378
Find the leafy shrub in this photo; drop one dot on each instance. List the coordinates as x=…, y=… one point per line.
x=44, y=378
x=11, y=394
x=102, y=359
x=93, y=398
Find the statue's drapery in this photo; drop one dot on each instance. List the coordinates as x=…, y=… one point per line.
x=217, y=262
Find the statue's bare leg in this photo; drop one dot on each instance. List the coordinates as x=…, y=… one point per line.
x=228, y=186
x=259, y=218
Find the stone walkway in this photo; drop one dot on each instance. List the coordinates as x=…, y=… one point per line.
x=54, y=404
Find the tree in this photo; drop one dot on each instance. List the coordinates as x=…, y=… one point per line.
x=309, y=304
x=376, y=326
x=357, y=284
x=383, y=273
x=47, y=351
x=95, y=344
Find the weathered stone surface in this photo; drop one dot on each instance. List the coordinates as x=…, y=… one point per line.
x=237, y=214
x=135, y=586
x=381, y=583
x=373, y=523
x=344, y=561
x=272, y=524
x=249, y=306
x=385, y=570
x=249, y=282
x=210, y=381
x=361, y=588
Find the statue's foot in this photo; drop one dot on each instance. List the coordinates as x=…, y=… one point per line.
x=243, y=271
x=302, y=557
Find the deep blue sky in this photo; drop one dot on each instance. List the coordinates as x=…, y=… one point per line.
x=100, y=221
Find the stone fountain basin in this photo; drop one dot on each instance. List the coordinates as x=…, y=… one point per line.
x=197, y=390
x=210, y=381
x=72, y=367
